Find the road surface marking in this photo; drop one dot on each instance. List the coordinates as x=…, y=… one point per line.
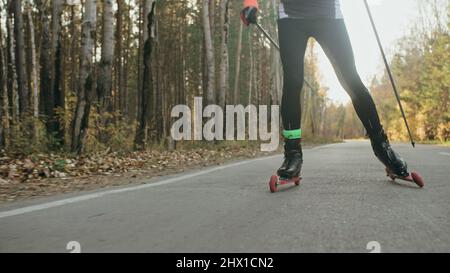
x=86, y=197
x=448, y=154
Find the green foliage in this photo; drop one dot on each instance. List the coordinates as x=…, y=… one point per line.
x=60, y=165
x=422, y=70
x=27, y=137
x=116, y=135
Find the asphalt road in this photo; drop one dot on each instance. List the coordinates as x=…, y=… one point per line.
x=344, y=202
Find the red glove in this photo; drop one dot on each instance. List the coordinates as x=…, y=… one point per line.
x=248, y=14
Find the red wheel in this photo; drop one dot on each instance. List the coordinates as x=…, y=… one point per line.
x=273, y=184
x=297, y=182
x=417, y=179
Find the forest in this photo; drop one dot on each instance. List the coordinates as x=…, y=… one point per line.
x=80, y=77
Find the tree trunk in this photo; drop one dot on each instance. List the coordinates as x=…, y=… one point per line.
x=80, y=121
x=210, y=59
x=125, y=106
x=141, y=33
x=13, y=106
x=277, y=75
x=147, y=81
x=46, y=94
x=22, y=77
x=104, y=87
x=160, y=94
x=34, y=68
x=3, y=91
x=224, y=64
x=74, y=50
x=119, y=57
x=238, y=65
x=56, y=77
x=250, y=87
x=212, y=15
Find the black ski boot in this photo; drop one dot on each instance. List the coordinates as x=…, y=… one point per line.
x=384, y=152
x=293, y=159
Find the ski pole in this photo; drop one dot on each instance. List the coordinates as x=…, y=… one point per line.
x=268, y=36
x=391, y=77
x=264, y=32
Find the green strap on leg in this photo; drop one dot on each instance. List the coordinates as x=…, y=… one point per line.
x=292, y=134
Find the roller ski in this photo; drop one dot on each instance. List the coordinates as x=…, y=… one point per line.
x=289, y=172
x=414, y=177
x=276, y=181
x=396, y=167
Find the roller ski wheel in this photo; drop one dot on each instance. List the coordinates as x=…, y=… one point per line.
x=413, y=177
x=276, y=181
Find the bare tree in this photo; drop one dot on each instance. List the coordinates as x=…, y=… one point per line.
x=74, y=47
x=104, y=86
x=147, y=81
x=224, y=63
x=124, y=89
x=22, y=77
x=46, y=94
x=80, y=121
x=238, y=64
x=252, y=68
x=11, y=64
x=3, y=91
x=34, y=68
x=119, y=56
x=58, y=96
x=209, y=48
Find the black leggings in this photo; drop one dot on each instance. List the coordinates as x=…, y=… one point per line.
x=333, y=37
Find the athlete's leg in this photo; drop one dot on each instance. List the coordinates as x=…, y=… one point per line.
x=293, y=41
x=333, y=37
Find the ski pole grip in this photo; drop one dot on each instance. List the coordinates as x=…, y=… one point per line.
x=251, y=3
